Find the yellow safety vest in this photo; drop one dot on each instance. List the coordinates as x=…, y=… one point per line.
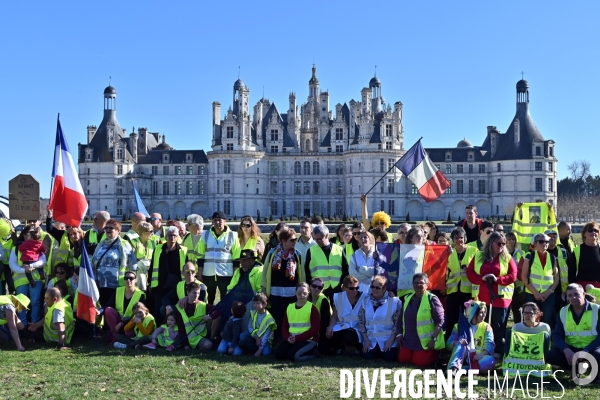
x=60, y=251
x=526, y=355
x=163, y=338
x=506, y=291
x=50, y=334
x=540, y=276
x=320, y=300
x=93, y=237
x=120, y=301
x=299, y=320
x=193, y=253
x=195, y=327
x=425, y=324
x=390, y=237
x=527, y=224
x=181, y=288
x=72, y=260
x=149, y=318
x=349, y=252
x=563, y=268
x=457, y=274
x=156, y=258
x=4, y=300
x=7, y=246
x=584, y=333
x=255, y=277
x=143, y=252
x=516, y=256
x=266, y=323
x=20, y=279
x=330, y=271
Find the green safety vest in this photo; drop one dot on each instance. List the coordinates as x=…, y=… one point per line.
x=267, y=323
x=425, y=324
x=20, y=279
x=195, y=327
x=120, y=301
x=582, y=334
x=181, y=288
x=506, y=291
x=540, y=276
x=330, y=271
x=4, y=300
x=563, y=268
x=320, y=300
x=516, y=256
x=156, y=258
x=349, y=252
x=138, y=335
x=193, y=253
x=527, y=224
x=457, y=271
x=163, y=338
x=143, y=252
x=50, y=334
x=526, y=355
x=299, y=320
x=72, y=260
x=255, y=277
x=60, y=250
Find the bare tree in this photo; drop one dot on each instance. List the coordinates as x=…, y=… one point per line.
x=579, y=169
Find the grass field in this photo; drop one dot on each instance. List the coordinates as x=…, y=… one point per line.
x=86, y=371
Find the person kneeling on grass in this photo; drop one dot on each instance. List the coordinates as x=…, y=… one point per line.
x=261, y=326
x=10, y=324
x=230, y=342
x=471, y=341
x=58, y=322
x=300, y=331
x=142, y=325
x=194, y=319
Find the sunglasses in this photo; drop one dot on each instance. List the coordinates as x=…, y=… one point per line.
x=542, y=241
x=594, y=231
x=293, y=240
x=155, y=219
x=129, y=278
x=501, y=244
x=352, y=288
x=246, y=225
x=375, y=287
x=190, y=271
x=316, y=286
x=488, y=232
x=109, y=228
x=355, y=233
x=499, y=230
x=60, y=272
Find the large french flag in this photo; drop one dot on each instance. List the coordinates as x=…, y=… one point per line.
x=417, y=166
x=87, y=290
x=67, y=199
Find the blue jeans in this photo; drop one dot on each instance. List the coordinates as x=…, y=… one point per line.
x=34, y=294
x=248, y=342
x=547, y=307
x=225, y=345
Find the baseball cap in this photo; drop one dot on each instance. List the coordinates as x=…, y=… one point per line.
x=218, y=215
x=247, y=254
x=550, y=232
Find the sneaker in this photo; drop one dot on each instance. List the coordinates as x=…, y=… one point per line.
x=171, y=348
x=119, y=345
x=150, y=346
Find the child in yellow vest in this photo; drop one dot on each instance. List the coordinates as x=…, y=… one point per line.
x=165, y=335
x=142, y=325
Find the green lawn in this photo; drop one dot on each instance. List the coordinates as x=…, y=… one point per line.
x=85, y=371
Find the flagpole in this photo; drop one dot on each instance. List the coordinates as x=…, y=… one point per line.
x=390, y=170
x=53, y=163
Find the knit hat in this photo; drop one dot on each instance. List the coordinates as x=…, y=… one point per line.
x=472, y=308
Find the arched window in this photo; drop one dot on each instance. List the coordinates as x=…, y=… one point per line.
x=306, y=167
x=297, y=168
x=316, y=168
x=307, y=147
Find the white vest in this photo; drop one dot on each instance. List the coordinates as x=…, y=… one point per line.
x=346, y=315
x=379, y=323
x=218, y=259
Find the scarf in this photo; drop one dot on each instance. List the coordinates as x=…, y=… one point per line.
x=279, y=256
x=380, y=302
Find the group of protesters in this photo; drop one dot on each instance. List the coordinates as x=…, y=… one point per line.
x=305, y=294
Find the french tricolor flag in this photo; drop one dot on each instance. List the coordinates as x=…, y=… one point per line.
x=67, y=200
x=417, y=166
x=87, y=290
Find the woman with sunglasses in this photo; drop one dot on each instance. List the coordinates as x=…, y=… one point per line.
x=76, y=240
x=120, y=308
x=343, y=325
x=493, y=264
x=584, y=263
x=249, y=236
x=63, y=273
x=540, y=277
x=377, y=320
x=362, y=262
x=379, y=220
x=321, y=302
x=282, y=272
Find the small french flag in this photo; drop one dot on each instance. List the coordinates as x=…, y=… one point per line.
x=418, y=168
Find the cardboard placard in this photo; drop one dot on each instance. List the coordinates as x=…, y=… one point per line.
x=24, y=197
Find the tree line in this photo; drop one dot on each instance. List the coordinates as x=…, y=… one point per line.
x=579, y=194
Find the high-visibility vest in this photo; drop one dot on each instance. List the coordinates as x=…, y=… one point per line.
x=195, y=327
x=218, y=256
x=7, y=247
x=540, y=276
x=349, y=251
x=478, y=337
x=4, y=300
x=68, y=282
x=425, y=324
x=506, y=291
x=527, y=224
x=181, y=288
x=299, y=320
x=563, y=268
x=51, y=334
x=250, y=244
x=155, y=262
x=164, y=338
x=20, y=279
x=267, y=323
x=120, y=301
x=330, y=271
x=73, y=261
x=193, y=252
x=581, y=334
x=143, y=252
x=159, y=239
x=347, y=316
x=255, y=277
x=93, y=237
x=60, y=251
x=530, y=362
x=457, y=271
x=319, y=301
x=131, y=235
x=147, y=319
x=516, y=256
x=379, y=323
x=390, y=237
x=577, y=252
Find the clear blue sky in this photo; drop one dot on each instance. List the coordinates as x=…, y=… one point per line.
x=454, y=66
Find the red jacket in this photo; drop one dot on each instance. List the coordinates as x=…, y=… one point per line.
x=492, y=268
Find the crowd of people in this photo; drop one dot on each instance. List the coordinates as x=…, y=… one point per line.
x=305, y=294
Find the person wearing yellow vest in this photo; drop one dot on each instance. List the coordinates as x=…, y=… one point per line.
x=562, y=256
x=584, y=264
x=327, y=261
x=158, y=227
x=379, y=220
x=494, y=264
x=249, y=236
x=165, y=335
x=323, y=305
x=133, y=234
x=419, y=330
x=540, y=277
x=458, y=286
x=21, y=281
x=191, y=241
x=112, y=258
x=377, y=318
x=75, y=235
x=300, y=330
x=564, y=235
x=61, y=244
x=517, y=255
x=576, y=329
x=63, y=273
x=143, y=248
x=194, y=321
x=178, y=295
x=58, y=323
x=219, y=247
x=138, y=330
x=10, y=324
x=485, y=230
x=471, y=341
x=250, y=268
x=7, y=235
x=261, y=326
x=119, y=309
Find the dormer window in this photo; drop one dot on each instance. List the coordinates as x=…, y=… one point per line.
x=274, y=135
x=448, y=156
x=230, y=132
x=165, y=158
x=538, y=151
x=188, y=157
x=119, y=154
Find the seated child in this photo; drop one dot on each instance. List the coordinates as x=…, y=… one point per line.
x=31, y=250
x=233, y=328
x=165, y=335
x=142, y=325
x=261, y=326
x=471, y=341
